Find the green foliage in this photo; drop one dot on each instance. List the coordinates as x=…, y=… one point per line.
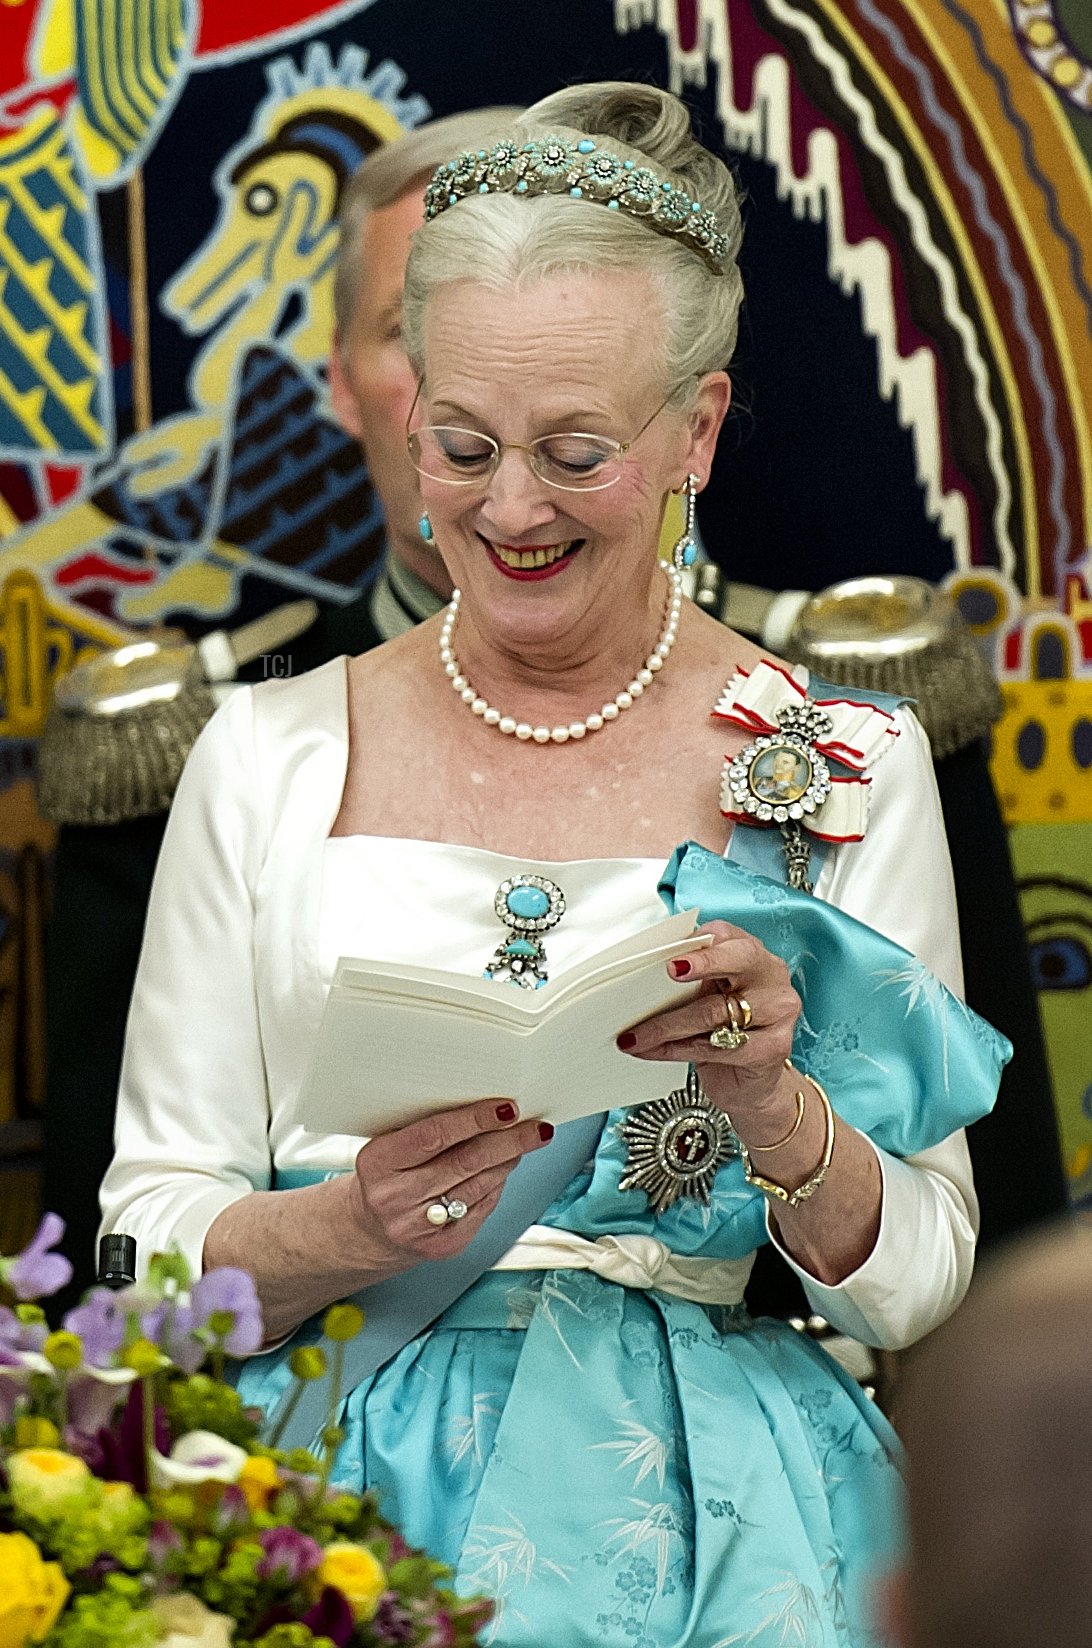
x=200, y=1403
x=417, y=1574
x=94, y=1526
x=169, y=1273
x=107, y=1618
x=291, y=1636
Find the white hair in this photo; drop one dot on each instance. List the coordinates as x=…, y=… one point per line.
x=503, y=240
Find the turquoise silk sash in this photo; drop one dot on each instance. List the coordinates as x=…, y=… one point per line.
x=904, y=1061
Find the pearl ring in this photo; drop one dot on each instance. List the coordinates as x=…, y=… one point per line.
x=446, y=1211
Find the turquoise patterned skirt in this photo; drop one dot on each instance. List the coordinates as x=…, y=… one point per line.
x=624, y=1469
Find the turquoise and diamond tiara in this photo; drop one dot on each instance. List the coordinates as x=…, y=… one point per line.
x=584, y=170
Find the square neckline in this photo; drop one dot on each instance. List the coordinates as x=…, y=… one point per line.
x=632, y=859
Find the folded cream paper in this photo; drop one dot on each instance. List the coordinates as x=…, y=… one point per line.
x=397, y=1042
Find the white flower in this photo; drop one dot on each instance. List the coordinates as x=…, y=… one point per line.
x=199, y=1456
x=93, y=1393
x=187, y=1623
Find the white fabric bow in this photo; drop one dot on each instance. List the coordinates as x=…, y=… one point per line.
x=860, y=735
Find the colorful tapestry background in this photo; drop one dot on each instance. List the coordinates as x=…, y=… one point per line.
x=912, y=386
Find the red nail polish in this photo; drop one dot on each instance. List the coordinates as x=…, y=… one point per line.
x=625, y=1041
x=506, y=1112
x=679, y=968
x=545, y=1131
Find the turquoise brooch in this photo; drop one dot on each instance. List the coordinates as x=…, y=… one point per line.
x=528, y=905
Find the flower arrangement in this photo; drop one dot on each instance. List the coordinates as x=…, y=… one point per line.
x=140, y=1504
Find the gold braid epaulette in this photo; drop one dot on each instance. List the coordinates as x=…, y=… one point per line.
x=583, y=170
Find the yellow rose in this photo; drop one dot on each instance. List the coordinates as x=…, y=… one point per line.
x=32, y=1592
x=356, y=1573
x=259, y=1480
x=47, y=1483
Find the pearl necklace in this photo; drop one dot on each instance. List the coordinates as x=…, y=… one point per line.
x=523, y=730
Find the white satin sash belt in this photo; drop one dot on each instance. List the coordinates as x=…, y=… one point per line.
x=633, y=1261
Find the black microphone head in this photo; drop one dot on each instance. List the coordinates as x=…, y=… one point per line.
x=117, y=1260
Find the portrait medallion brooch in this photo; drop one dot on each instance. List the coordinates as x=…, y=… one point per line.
x=783, y=776
x=675, y=1145
x=782, y=779
x=529, y=905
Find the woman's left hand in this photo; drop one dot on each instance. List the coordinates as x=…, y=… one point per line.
x=735, y=965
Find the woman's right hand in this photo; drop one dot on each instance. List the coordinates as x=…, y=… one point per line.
x=465, y=1155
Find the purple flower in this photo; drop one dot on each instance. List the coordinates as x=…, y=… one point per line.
x=100, y=1323
x=392, y=1622
x=119, y=1448
x=288, y=1555
x=18, y=1341
x=94, y=1396
x=230, y=1292
x=173, y=1327
x=231, y=1514
x=330, y=1617
x=35, y=1273
x=17, y=1337
x=164, y=1544
x=11, y=1338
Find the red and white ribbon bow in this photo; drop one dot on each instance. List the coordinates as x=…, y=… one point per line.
x=855, y=734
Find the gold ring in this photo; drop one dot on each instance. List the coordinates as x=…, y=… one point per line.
x=739, y=1009
x=728, y=1038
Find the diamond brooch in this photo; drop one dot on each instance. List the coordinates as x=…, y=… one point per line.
x=675, y=1145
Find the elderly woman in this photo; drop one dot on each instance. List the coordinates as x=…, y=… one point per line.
x=594, y=1430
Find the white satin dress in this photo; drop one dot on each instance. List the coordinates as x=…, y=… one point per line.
x=619, y=1460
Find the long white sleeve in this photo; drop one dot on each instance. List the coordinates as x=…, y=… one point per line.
x=192, y=1123
x=899, y=881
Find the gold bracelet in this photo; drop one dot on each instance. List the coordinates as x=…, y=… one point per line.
x=793, y=1198
x=791, y=1134
x=793, y=1130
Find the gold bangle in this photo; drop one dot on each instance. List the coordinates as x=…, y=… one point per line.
x=793, y=1198
x=793, y=1130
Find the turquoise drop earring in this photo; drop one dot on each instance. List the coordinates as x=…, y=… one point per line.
x=685, y=552
x=424, y=527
